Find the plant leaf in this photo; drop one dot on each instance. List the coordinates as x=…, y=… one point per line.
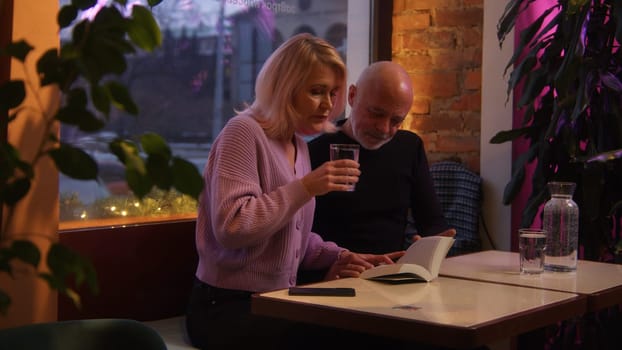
x=508, y=135
x=123, y=149
x=154, y=144
x=52, y=69
x=16, y=186
x=611, y=81
x=12, y=161
x=534, y=85
x=143, y=29
x=101, y=44
x=71, y=262
x=75, y=112
x=518, y=174
x=13, y=191
x=12, y=94
x=74, y=162
x=128, y=154
x=514, y=185
x=100, y=99
x=82, y=118
x=26, y=251
x=135, y=169
x=159, y=155
x=187, y=178
x=159, y=171
x=532, y=207
x=65, y=263
x=527, y=34
x=508, y=20
x=519, y=72
x=601, y=157
x=121, y=98
x=138, y=181
x=66, y=15
x=77, y=98
x=18, y=49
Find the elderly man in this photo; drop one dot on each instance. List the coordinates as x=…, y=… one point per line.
x=395, y=178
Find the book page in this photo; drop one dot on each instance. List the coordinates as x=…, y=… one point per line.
x=428, y=252
x=421, y=262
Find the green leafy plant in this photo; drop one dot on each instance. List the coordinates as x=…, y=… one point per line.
x=566, y=73
x=85, y=70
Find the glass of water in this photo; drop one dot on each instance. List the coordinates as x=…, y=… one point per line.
x=345, y=151
x=531, y=246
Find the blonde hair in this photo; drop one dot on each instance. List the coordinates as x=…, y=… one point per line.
x=283, y=76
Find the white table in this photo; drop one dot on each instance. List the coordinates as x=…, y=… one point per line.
x=447, y=312
x=600, y=282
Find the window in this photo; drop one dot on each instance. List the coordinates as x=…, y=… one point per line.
x=186, y=91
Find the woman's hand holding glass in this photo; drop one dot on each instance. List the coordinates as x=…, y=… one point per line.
x=335, y=175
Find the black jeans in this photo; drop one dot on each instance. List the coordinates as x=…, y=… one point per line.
x=220, y=318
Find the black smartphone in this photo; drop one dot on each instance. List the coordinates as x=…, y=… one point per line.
x=334, y=292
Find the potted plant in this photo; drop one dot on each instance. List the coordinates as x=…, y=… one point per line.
x=86, y=71
x=566, y=75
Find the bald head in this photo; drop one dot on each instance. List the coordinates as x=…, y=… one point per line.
x=387, y=77
x=380, y=100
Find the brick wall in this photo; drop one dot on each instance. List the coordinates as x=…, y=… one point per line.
x=439, y=42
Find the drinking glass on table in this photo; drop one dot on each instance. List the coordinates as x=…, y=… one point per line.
x=345, y=151
x=531, y=246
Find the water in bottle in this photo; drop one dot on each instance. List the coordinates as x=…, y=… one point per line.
x=561, y=222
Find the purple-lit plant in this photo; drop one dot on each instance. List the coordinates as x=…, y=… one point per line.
x=565, y=74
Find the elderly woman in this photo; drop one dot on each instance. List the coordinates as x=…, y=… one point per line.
x=255, y=214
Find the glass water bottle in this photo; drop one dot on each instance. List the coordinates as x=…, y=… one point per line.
x=561, y=222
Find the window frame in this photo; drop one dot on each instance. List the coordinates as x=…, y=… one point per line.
x=6, y=33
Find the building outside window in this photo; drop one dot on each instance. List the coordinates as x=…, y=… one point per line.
x=187, y=90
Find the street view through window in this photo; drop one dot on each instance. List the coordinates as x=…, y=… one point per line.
x=186, y=91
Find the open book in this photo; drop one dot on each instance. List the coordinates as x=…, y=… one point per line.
x=421, y=262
